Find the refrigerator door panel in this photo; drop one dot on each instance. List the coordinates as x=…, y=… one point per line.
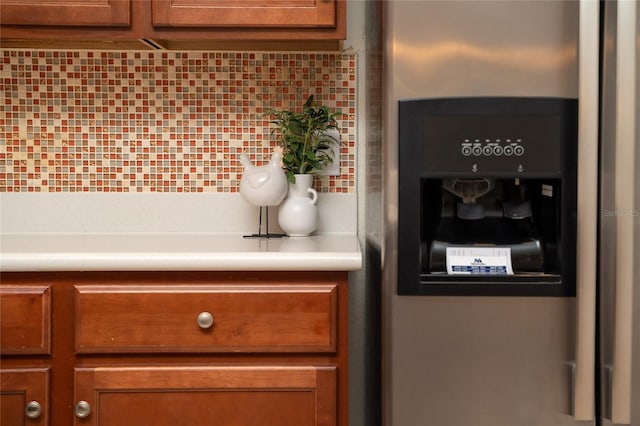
x=607, y=223
x=619, y=293
x=482, y=361
x=624, y=178
x=461, y=361
x=587, y=220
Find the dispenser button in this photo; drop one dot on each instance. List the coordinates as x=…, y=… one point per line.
x=518, y=150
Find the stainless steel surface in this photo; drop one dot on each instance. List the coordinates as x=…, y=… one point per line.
x=619, y=225
x=485, y=362
x=625, y=140
x=508, y=361
x=587, y=235
x=205, y=320
x=33, y=410
x=82, y=409
x=607, y=241
x=474, y=361
x=471, y=48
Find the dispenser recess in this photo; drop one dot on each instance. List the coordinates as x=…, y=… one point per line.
x=487, y=196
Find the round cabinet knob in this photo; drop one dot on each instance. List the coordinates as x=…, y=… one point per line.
x=83, y=409
x=205, y=320
x=33, y=410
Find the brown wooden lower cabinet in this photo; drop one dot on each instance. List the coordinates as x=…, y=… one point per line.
x=24, y=396
x=231, y=396
x=142, y=348
x=25, y=319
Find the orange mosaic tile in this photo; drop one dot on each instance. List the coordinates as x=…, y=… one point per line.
x=84, y=121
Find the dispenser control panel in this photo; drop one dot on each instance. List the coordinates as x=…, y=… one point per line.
x=497, y=144
x=492, y=147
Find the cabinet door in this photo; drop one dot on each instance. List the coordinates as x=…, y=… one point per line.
x=25, y=319
x=24, y=396
x=245, y=13
x=194, y=396
x=65, y=12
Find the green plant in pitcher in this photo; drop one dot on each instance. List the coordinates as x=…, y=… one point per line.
x=306, y=137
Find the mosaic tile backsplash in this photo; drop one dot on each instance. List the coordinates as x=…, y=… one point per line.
x=85, y=121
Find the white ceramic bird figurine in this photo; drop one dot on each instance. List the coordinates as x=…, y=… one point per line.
x=264, y=185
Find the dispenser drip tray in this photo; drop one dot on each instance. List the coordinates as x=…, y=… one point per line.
x=479, y=260
x=475, y=259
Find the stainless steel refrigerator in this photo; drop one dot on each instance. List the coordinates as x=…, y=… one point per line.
x=570, y=358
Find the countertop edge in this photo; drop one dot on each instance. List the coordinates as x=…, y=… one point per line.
x=339, y=252
x=48, y=263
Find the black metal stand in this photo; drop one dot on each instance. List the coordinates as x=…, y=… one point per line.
x=267, y=234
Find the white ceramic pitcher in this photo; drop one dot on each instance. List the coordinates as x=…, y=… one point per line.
x=298, y=214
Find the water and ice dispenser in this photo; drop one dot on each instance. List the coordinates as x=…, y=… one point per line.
x=487, y=196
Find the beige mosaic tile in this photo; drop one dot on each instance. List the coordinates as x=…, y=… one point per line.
x=78, y=121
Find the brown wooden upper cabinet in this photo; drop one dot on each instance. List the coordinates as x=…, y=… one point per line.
x=109, y=13
x=173, y=20
x=244, y=13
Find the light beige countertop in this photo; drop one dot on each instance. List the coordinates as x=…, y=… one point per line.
x=177, y=252
x=166, y=232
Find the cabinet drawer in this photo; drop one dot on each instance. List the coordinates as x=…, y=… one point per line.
x=25, y=319
x=206, y=318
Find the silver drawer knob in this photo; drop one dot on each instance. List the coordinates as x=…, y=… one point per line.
x=83, y=409
x=205, y=320
x=33, y=410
